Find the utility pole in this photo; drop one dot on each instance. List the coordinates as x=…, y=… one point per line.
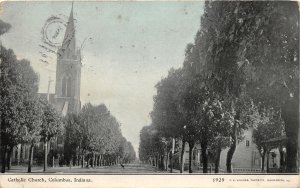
x=46, y=141
x=48, y=92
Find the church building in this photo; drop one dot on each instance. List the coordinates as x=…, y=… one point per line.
x=66, y=98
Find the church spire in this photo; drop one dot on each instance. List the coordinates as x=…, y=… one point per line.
x=69, y=42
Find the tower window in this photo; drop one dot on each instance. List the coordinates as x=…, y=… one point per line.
x=69, y=87
x=247, y=143
x=64, y=86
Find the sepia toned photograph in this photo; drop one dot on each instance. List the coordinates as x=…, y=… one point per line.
x=149, y=88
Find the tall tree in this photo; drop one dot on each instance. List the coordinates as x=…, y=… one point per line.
x=273, y=73
x=268, y=124
x=230, y=42
x=32, y=125
x=21, y=85
x=201, y=108
x=9, y=104
x=72, y=137
x=51, y=127
x=100, y=134
x=4, y=27
x=166, y=116
x=217, y=58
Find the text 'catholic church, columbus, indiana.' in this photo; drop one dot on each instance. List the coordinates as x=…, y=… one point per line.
x=66, y=98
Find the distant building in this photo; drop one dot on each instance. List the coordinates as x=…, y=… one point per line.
x=66, y=98
x=246, y=156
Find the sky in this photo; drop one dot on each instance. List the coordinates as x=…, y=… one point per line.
x=127, y=47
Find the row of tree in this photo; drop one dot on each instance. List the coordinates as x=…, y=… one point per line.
x=242, y=71
x=25, y=118
x=93, y=137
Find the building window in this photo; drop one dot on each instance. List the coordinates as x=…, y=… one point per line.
x=66, y=87
x=247, y=143
x=69, y=87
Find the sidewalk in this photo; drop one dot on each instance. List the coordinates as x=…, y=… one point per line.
x=38, y=169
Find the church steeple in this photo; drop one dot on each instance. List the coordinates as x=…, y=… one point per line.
x=68, y=49
x=68, y=71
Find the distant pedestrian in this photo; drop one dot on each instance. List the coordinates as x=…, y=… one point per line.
x=122, y=165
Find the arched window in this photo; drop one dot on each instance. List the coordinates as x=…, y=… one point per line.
x=69, y=87
x=64, y=86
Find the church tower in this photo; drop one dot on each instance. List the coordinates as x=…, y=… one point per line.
x=68, y=72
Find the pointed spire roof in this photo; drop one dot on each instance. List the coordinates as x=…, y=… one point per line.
x=69, y=38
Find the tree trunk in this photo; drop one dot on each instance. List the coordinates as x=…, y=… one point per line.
x=217, y=161
x=4, y=151
x=171, y=162
x=263, y=161
x=162, y=164
x=281, y=165
x=204, y=155
x=191, y=146
x=70, y=162
x=98, y=161
x=78, y=160
x=290, y=115
x=46, y=154
x=181, y=156
x=167, y=161
x=8, y=160
x=74, y=160
x=93, y=160
x=19, y=154
x=268, y=168
x=82, y=161
x=231, y=149
x=30, y=158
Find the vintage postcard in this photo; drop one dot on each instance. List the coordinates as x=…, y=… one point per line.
x=149, y=93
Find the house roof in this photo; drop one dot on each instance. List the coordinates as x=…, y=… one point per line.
x=277, y=139
x=276, y=142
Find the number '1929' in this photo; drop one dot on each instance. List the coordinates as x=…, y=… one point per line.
x=218, y=179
